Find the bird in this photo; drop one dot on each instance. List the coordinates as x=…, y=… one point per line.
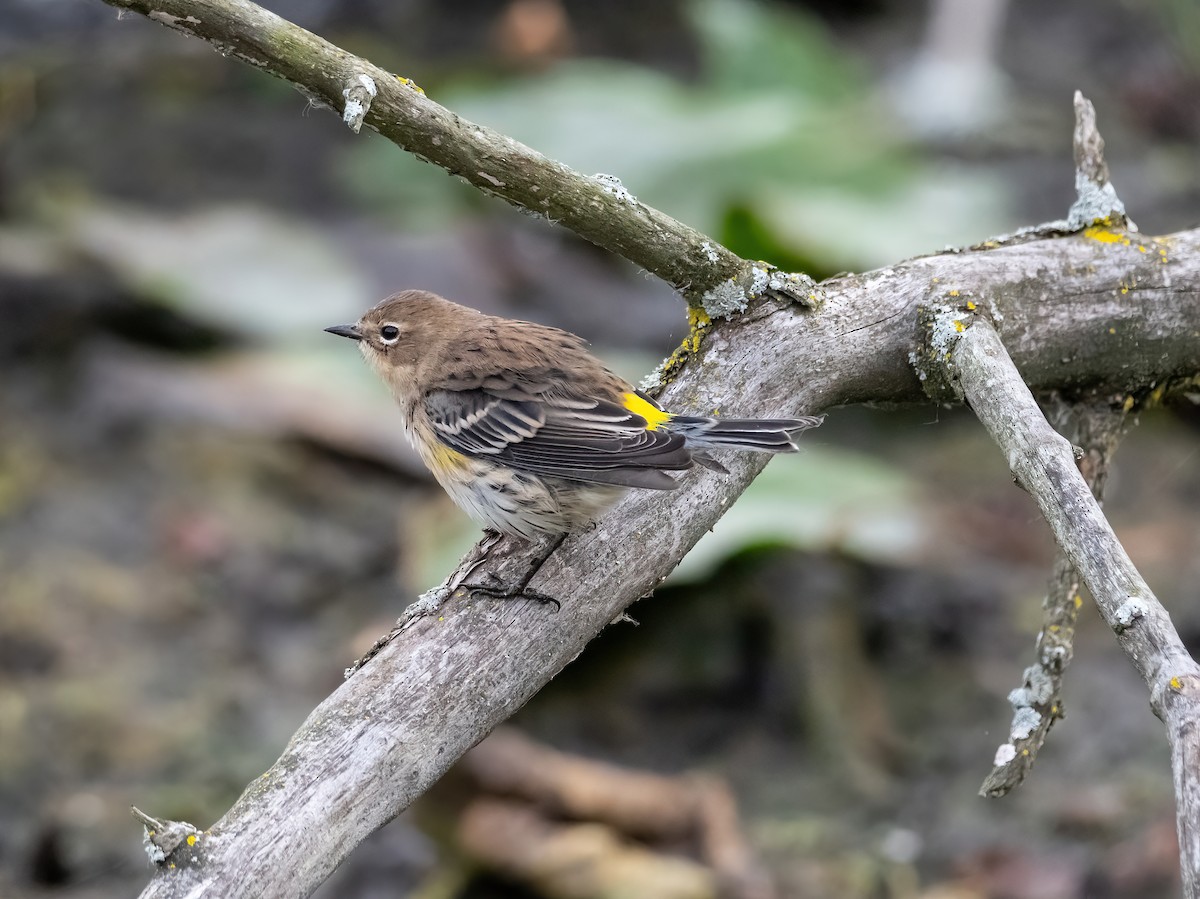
x=526, y=430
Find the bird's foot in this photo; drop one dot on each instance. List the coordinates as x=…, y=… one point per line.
x=519, y=590
x=515, y=592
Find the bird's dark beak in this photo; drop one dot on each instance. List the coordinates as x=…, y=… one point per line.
x=346, y=331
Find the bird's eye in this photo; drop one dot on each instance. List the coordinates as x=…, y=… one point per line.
x=389, y=333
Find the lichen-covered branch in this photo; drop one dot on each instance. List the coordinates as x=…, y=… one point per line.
x=1095, y=197
x=1095, y=427
x=1043, y=463
x=598, y=208
x=1095, y=424
x=447, y=679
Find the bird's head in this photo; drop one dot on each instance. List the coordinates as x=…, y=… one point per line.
x=395, y=335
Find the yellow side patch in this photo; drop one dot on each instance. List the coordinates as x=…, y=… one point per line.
x=440, y=457
x=638, y=406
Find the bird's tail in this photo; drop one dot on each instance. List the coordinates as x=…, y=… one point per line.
x=769, y=435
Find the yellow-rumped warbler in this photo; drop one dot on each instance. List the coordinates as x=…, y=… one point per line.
x=526, y=430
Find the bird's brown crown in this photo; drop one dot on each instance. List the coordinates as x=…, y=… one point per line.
x=416, y=340
x=416, y=316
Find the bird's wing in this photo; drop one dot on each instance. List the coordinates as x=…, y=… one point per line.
x=582, y=439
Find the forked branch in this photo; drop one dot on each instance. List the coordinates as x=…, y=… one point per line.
x=1044, y=464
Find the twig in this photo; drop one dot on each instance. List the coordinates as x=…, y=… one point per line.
x=164, y=838
x=1096, y=200
x=1096, y=203
x=1043, y=463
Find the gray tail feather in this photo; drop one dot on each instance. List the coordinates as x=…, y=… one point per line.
x=770, y=435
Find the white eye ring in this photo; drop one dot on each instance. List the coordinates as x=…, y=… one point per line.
x=389, y=333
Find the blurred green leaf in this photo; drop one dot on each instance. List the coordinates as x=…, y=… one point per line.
x=782, y=127
x=754, y=46
x=745, y=232
x=822, y=499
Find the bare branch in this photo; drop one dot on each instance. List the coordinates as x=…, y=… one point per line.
x=1095, y=428
x=1043, y=462
x=1096, y=200
x=598, y=208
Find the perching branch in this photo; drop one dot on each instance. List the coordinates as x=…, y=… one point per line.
x=1043, y=463
x=1105, y=310
x=448, y=678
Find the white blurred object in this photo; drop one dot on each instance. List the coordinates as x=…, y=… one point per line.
x=953, y=88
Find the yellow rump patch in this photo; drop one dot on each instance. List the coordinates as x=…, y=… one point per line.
x=638, y=406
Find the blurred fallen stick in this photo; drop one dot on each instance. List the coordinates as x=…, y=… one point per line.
x=540, y=809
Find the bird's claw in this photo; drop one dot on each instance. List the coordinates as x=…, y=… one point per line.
x=520, y=592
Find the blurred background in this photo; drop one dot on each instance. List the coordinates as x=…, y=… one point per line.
x=207, y=509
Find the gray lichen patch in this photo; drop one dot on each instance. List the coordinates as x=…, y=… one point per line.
x=725, y=300
x=1093, y=203
x=1024, y=723
x=611, y=184
x=797, y=286
x=1130, y=611
x=946, y=325
x=654, y=381
x=941, y=325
